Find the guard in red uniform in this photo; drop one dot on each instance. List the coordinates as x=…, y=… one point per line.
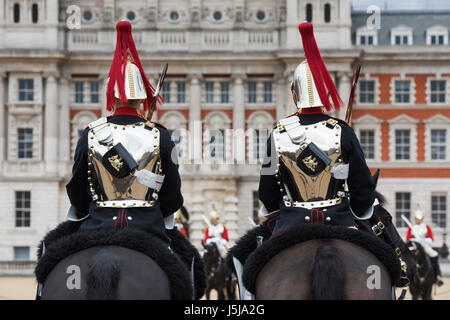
x=217, y=232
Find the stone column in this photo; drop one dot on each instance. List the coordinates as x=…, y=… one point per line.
x=64, y=120
x=51, y=123
x=195, y=124
x=2, y=117
x=103, y=83
x=281, y=98
x=290, y=105
x=344, y=88
x=238, y=143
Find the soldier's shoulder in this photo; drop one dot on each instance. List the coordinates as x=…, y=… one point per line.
x=159, y=126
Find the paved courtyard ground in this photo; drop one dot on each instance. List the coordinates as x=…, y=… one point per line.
x=24, y=288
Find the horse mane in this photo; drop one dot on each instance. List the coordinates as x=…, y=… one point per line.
x=327, y=274
x=103, y=277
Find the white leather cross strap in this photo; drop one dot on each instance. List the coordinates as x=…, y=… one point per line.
x=101, y=130
x=293, y=128
x=314, y=204
x=340, y=171
x=149, y=179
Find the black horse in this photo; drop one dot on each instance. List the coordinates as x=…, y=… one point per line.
x=107, y=273
x=422, y=283
x=218, y=275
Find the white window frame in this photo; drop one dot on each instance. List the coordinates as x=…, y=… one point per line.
x=402, y=31
x=403, y=224
x=412, y=91
x=24, y=209
x=369, y=122
x=437, y=122
x=439, y=194
x=217, y=120
x=437, y=31
x=403, y=122
x=13, y=88
x=79, y=122
x=365, y=32
x=256, y=121
x=86, y=92
x=175, y=121
x=428, y=90
x=376, y=92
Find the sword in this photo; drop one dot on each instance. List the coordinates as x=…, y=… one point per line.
x=157, y=92
x=348, y=114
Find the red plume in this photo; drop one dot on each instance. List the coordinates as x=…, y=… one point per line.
x=320, y=74
x=125, y=47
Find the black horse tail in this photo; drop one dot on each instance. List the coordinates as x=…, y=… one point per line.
x=103, y=276
x=327, y=274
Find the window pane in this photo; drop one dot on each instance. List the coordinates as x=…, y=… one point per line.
x=438, y=91
x=25, y=143
x=368, y=143
x=23, y=208
x=267, y=92
x=367, y=91
x=259, y=143
x=225, y=92
x=439, y=210
x=165, y=91
x=181, y=92
x=26, y=90
x=402, y=144
x=252, y=92
x=217, y=144
x=21, y=253
x=209, y=92
x=79, y=94
x=95, y=92
x=438, y=144
x=402, y=206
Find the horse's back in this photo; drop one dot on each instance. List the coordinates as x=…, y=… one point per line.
x=107, y=272
x=298, y=272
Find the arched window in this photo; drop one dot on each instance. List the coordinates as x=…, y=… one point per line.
x=34, y=13
x=309, y=12
x=327, y=12
x=16, y=13
x=259, y=125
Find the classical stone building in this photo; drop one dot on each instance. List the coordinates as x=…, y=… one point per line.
x=230, y=65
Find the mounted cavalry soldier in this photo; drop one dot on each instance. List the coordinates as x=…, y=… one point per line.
x=315, y=171
x=124, y=175
x=422, y=233
x=216, y=232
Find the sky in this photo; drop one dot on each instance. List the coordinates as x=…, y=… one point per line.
x=402, y=4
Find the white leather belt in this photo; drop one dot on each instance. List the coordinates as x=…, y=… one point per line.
x=124, y=203
x=314, y=204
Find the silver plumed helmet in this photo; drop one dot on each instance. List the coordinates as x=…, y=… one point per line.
x=304, y=91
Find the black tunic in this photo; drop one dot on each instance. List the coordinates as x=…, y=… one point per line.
x=150, y=219
x=360, y=182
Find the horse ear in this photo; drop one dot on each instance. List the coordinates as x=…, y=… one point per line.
x=375, y=177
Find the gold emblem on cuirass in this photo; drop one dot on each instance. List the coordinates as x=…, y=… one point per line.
x=310, y=162
x=116, y=162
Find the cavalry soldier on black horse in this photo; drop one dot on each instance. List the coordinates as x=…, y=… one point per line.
x=125, y=175
x=314, y=171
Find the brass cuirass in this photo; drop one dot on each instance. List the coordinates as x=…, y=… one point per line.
x=309, y=158
x=142, y=143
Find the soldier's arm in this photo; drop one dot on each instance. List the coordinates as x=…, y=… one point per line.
x=269, y=190
x=360, y=182
x=77, y=188
x=169, y=196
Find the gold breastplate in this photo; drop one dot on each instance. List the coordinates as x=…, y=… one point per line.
x=142, y=142
x=309, y=158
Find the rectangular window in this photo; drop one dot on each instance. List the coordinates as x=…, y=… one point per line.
x=437, y=40
x=438, y=91
x=259, y=143
x=401, y=40
x=95, y=92
x=225, y=92
x=438, y=144
x=26, y=89
x=252, y=92
x=165, y=91
x=217, y=144
x=25, y=143
x=23, y=208
x=366, y=40
x=367, y=91
x=21, y=253
x=402, y=91
x=209, y=92
x=181, y=92
x=367, y=140
x=402, y=144
x=402, y=207
x=439, y=210
x=267, y=92
x=79, y=92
